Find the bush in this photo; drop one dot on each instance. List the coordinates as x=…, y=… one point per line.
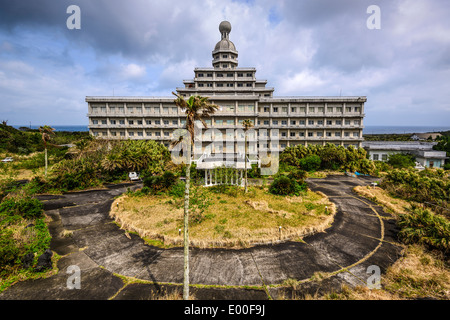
x=160, y=183
x=286, y=186
x=28, y=207
x=178, y=189
x=9, y=252
x=310, y=163
x=400, y=160
x=422, y=227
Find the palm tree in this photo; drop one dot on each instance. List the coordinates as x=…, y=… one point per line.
x=247, y=124
x=46, y=131
x=196, y=108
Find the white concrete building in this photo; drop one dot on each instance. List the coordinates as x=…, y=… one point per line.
x=292, y=120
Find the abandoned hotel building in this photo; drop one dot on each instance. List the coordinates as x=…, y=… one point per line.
x=292, y=120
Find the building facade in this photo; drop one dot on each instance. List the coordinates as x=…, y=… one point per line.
x=292, y=120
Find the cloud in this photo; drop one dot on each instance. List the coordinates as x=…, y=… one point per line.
x=142, y=47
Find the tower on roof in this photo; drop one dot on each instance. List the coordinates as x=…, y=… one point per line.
x=225, y=54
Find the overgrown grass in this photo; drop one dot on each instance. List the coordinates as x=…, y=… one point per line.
x=232, y=219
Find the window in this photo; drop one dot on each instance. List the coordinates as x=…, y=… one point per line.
x=330, y=109
x=328, y=134
x=266, y=122
x=338, y=122
x=339, y=109
x=175, y=122
x=348, y=109
x=225, y=56
x=375, y=157
x=275, y=122
x=301, y=134
x=240, y=75
x=140, y=134
x=113, y=121
x=131, y=134
x=293, y=110
x=384, y=157
x=157, y=110
x=319, y=134
x=122, y=133
x=311, y=122
x=337, y=134
x=240, y=85
x=230, y=85
x=356, y=122
x=229, y=75
x=113, y=133
x=329, y=122
x=292, y=134
x=130, y=122
x=230, y=122
x=320, y=109
x=266, y=109
x=158, y=122
x=347, y=122
x=219, y=85
x=302, y=109
x=94, y=121
x=149, y=134
x=249, y=74
x=275, y=109
x=346, y=134
x=200, y=85
x=249, y=84
x=284, y=109
x=166, y=122
x=301, y=122
x=320, y=122
x=165, y=110
x=284, y=122
x=209, y=75
x=225, y=65
x=200, y=75
x=293, y=122
x=219, y=122
x=166, y=134
x=220, y=75
x=157, y=134
x=310, y=134
x=209, y=85
x=121, y=121
x=355, y=134
x=312, y=109
x=283, y=134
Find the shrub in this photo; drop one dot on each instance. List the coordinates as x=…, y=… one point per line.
x=286, y=186
x=310, y=163
x=28, y=207
x=160, y=183
x=178, y=189
x=400, y=160
x=9, y=252
x=422, y=227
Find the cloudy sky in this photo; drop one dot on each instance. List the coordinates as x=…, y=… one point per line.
x=302, y=47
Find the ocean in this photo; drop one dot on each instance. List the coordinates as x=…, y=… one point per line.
x=367, y=129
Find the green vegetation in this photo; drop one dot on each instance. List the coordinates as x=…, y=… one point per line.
x=23, y=233
x=328, y=157
x=423, y=227
x=429, y=187
x=400, y=160
x=388, y=137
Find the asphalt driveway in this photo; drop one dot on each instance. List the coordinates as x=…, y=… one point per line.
x=362, y=235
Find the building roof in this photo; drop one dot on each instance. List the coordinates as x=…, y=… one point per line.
x=398, y=145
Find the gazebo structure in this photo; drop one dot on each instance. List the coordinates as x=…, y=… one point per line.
x=224, y=168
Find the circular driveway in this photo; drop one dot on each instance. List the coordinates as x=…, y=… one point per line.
x=361, y=235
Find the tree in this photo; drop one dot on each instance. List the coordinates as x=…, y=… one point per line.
x=46, y=132
x=247, y=124
x=196, y=108
x=400, y=160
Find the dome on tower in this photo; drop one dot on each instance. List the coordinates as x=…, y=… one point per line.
x=225, y=45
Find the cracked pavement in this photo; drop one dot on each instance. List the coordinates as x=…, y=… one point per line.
x=361, y=235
